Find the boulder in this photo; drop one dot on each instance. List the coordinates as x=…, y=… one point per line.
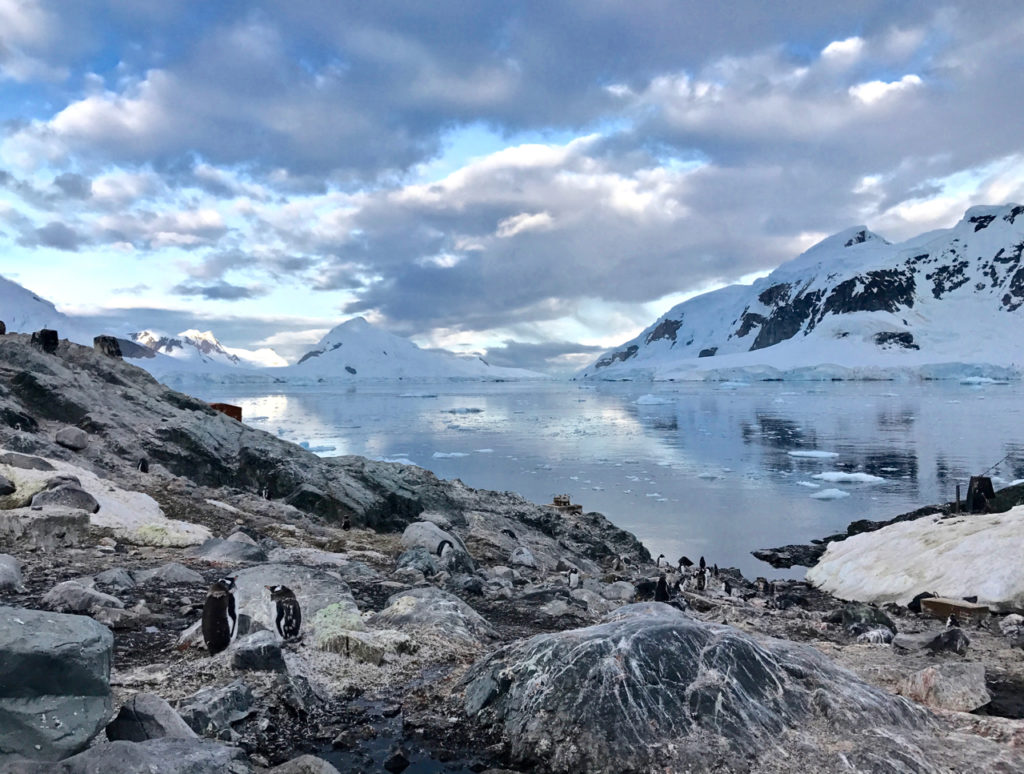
x=171, y=573
x=218, y=550
x=117, y=578
x=523, y=557
x=147, y=716
x=949, y=641
x=54, y=683
x=420, y=559
x=211, y=711
x=154, y=756
x=107, y=345
x=950, y=686
x=857, y=618
x=46, y=339
x=314, y=589
x=10, y=573
x=432, y=608
x=651, y=689
x=25, y=461
x=73, y=597
x=73, y=438
x=45, y=529
x=7, y=486
x=429, y=535
x=305, y=764
x=66, y=496
x=620, y=591
x=258, y=652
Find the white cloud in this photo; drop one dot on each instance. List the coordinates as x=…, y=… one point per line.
x=845, y=50
x=873, y=91
x=524, y=221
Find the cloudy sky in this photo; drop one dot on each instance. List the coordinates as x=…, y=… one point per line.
x=535, y=181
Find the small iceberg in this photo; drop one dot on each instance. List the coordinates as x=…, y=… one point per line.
x=813, y=454
x=447, y=455
x=830, y=494
x=839, y=477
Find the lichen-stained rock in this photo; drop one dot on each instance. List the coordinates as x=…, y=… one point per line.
x=432, y=608
x=950, y=686
x=651, y=689
x=314, y=589
x=54, y=683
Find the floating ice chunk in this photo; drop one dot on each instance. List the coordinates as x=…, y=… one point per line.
x=708, y=476
x=484, y=451
x=809, y=484
x=840, y=477
x=653, y=400
x=830, y=494
x=446, y=455
x=653, y=494
x=814, y=454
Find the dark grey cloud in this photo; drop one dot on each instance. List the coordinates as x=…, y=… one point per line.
x=218, y=291
x=54, y=234
x=73, y=186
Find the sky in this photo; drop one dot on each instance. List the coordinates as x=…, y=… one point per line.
x=535, y=182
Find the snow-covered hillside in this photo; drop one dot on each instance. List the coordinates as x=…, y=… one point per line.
x=203, y=346
x=22, y=311
x=358, y=350
x=945, y=303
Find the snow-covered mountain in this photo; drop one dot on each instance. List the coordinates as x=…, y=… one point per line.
x=358, y=350
x=203, y=346
x=946, y=303
x=22, y=311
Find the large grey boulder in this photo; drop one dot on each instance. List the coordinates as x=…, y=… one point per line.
x=73, y=438
x=45, y=529
x=305, y=764
x=258, y=652
x=173, y=573
x=54, y=683
x=211, y=711
x=155, y=756
x=74, y=597
x=429, y=535
x=147, y=716
x=116, y=578
x=10, y=573
x=220, y=550
x=432, y=608
x=67, y=496
x=651, y=689
x=418, y=558
x=950, y=686
x=315, y=589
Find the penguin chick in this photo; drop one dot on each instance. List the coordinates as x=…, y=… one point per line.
x=219, y=616
x=287, y=615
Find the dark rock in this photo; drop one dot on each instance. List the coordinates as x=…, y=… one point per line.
x=155, y=756
x=55, y=677
x=259, y=652
x=67, y=496
x=212, y=711
x=6, y=486
x=107, y=345
x=651, y=689
x=397, y=761
x=949, y=641
x=25, y=461
x=788, y=556
x=464, y=583
x=46, y=339
x=147, y=716
x=3, y=328
x=116, y=578
x=420, y=559
x=914, y=606
x=857, y=618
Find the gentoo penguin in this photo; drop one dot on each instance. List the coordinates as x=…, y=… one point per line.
x=219, y=617
x=702, y=576
x=661, y=590
x=952, y=621
x=143, y=466
x=658, y=561
x=285, y=611
x=703, y=564
x=346, y=523
x=442, y=545
x=574, y=578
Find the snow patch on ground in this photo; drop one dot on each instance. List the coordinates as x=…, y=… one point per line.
x=953, y=557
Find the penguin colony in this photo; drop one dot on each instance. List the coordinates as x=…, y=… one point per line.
x=220, y=618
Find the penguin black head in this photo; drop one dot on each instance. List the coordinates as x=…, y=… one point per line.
x=703, y=564
x=952, y=621
x=279, y=591
x=228, y=582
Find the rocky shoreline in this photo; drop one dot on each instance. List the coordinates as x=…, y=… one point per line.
x=123, y=500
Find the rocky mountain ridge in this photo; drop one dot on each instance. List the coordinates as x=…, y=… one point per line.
x=854, y=300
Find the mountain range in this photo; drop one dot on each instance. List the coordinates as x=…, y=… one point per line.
x=945, y=303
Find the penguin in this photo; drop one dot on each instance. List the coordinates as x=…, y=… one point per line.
x=714, y=571
x=702, y=576
x=441, y=547
x=727, y=587
x=574, y=578
x=952, y=622
x=143, y=466
x=703, y=564
x=286, y=613
x=657, y=562
x=346, y=523
x=661, y=590
x=219, y=616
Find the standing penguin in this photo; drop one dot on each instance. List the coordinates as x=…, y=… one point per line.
x=219, y=617
x=661, y=590
x=574, y=578
x=285, y=611
x=659, y=560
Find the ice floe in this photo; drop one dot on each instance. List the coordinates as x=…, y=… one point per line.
x=813, y=454
x=830, y=494
x=842, y=477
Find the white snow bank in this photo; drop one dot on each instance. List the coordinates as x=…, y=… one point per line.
x=954, y=557
x=840, y=477
x=133, y=517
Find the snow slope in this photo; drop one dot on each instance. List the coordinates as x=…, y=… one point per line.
x=203, y=346
x=945, y=303
x=969, y=555
x=356, y=350
x=22, y=311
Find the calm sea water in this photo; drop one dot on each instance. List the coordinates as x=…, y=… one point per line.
x=698, y=469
